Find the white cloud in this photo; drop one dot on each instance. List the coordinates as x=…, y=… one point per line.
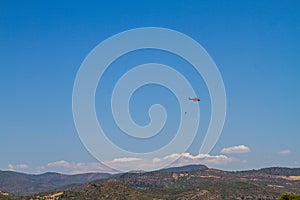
x=61, y=163
x=75, y=168
x=125, y=159
x=17, y=167
x=205, y=159
x=180, y=160
x=236, y=149
x=134, y=163
x=284, y=152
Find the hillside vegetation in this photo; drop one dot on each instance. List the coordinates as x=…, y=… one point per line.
x=188, y=182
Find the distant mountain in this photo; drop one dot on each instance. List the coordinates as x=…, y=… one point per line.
x=187, y=182
x=257, y=184
x=210, y=184
x=280, y=171
x=26, y=184
x=187, y=168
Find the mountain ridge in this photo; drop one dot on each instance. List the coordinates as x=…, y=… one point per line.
x=183, y=182
x=27, y=184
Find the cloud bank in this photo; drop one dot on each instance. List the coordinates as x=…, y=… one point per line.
x=236, y=149
x=129, y=164
x=134, y=163
x=17, y=167
x=75, y=167
x=284, y=152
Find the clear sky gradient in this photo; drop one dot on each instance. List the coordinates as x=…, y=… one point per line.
x=255, y=44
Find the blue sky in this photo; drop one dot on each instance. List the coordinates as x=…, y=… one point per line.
x=255, y=44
